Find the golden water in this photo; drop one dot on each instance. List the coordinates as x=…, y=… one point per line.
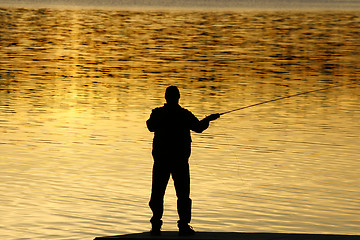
x=76, y=87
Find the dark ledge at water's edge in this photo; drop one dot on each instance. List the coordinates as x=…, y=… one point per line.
x=232, y=236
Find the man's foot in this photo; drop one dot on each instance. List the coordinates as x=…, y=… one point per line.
x=156, y=229
x=155, y=232
x=186, y=230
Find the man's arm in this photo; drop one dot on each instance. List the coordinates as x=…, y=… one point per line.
x=200, y=126
x=153, y=122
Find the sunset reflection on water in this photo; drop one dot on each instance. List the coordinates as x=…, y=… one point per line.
x=76, y=87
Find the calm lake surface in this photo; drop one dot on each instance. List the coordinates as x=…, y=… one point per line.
x=76, y=87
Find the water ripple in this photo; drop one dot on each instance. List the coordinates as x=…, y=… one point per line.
x=76, y=87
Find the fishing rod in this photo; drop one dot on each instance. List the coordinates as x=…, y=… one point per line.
x=280, y=98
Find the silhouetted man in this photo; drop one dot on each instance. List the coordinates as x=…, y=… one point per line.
x=171, y=151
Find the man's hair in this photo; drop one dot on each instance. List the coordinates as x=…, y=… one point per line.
x=172, y=92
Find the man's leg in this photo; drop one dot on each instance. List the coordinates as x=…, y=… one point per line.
x=181, y=176
x=160, y=178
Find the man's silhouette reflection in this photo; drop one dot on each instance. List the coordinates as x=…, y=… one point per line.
x=171, y=151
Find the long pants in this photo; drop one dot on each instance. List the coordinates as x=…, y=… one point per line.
x=181, y=176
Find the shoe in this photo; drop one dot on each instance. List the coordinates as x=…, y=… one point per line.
x=186, y=230
x=156, y=229
x=155, y=232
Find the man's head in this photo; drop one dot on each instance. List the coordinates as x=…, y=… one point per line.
x=172, y=95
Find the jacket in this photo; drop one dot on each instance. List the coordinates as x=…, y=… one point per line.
x=171, y=126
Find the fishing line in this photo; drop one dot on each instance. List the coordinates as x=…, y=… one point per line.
x=281, y=98
x=273, y=100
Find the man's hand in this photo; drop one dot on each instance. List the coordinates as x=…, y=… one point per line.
x=213, y=117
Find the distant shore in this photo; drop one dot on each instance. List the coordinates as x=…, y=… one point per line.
x=211, y=5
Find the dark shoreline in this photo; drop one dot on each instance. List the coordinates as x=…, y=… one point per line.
x=233, y=236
